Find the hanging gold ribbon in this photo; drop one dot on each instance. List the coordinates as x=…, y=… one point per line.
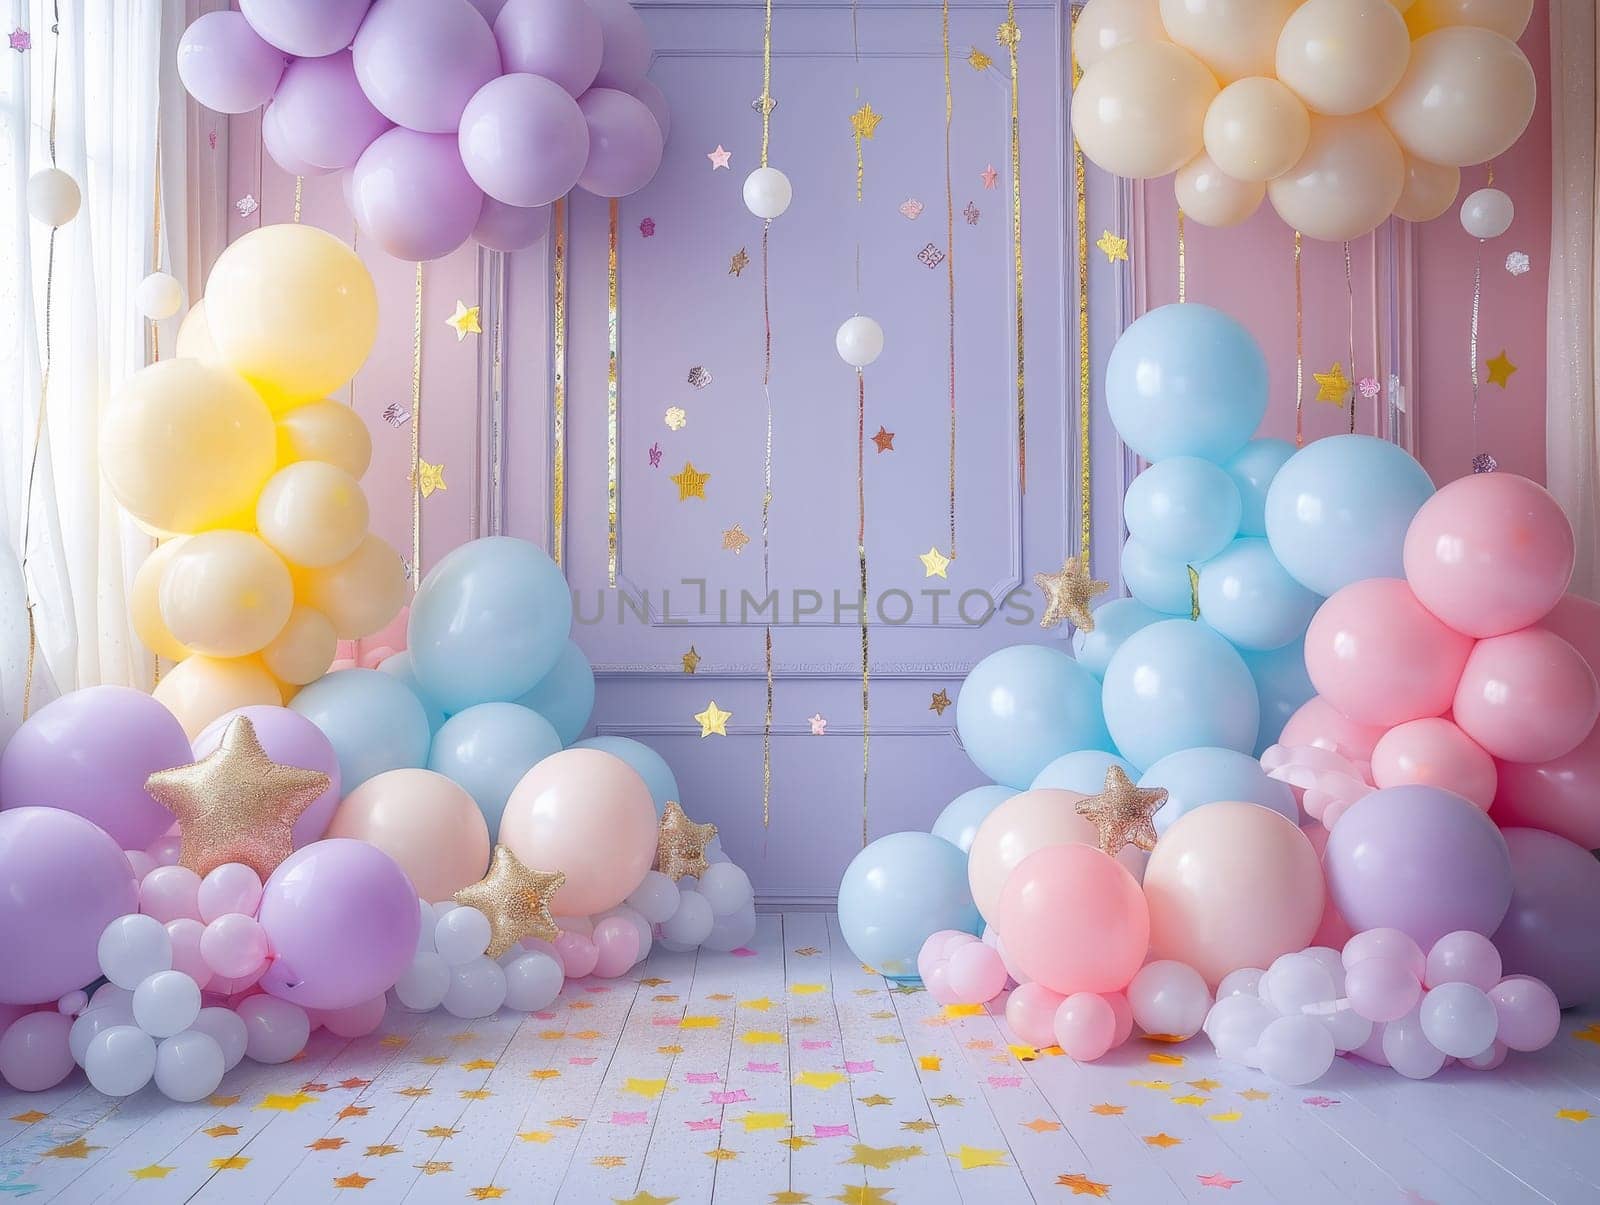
x=1183, y=262
x=1350, y=317
x=1299, y=350
x=1081, y=214
x=950, y=262
x=766, y=391
x=1009, y=35
x=611, y=397
x=416, y=434
x=299, y=191
x=558, y=384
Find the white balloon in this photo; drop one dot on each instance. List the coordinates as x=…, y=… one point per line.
x=1407, y=1049
x=1169, y=997
x=1246, y=981
x=1459, y=1020
x=726, y=888
x=477, y=989
x=767, y=192
x=189, y=1066
x=36, y=1051
x=132, y=948
x=691, y=923
x=120, y=1060
x=53, y=196
x=461, y=935
x=1348, y=1028
x=533, y=981
x=859, y=341
x=1294, y=981
x=158, y=296
x=656, y=898
x=110, y=993
x=1235, y=1024
x=732, y=930
x=1331, y=961
x=224, y=1027
x=1487, y=213
x=1295, y=1050
x=275, y=1030
x=165, y=1004
x=93, y=1022
x=422, y=985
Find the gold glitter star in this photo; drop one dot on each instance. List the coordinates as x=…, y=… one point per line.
x=864, y=122
x=919, y=1125
x=465, y=321
x=691, y=660
x=325, y=1144
x=947, y=1101
x=978, y=60
x=236, y=804
x=1500, y=369
x=1123, y=813
x=713, y=720
x=643, y=1198
x=430, y=477
x=487, y=1192
x=441, y=1132
x=515, y=899
x=1068, y=594
x=1162, y=1140
x=739, y=262
x=941, y=700
x=1114, y=246
x=861, y=1194
x=734, y=539
x=691, y=482
x=221, y=1131
x=877, y=1098
x=977, y=1156
x=28, y=1118
x=609, y=1161
x=675, y=418
x=1575, y=1115
x=380, y=1150
x=681, y=843
x=935, y=564
x=884, y=439
x=230, y=1163
x=434, y=1167
x=1333, y=385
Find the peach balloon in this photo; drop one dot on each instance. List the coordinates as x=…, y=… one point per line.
x=589, y=815
x=1140, y=110
x=1234, y=38
x=1322, y=725
x=1435, y=753
x=313, y=514
x=1346, y=183
x=1343, y=56
x=1103, y=25
x=1256, y=129
x=1466, y=97
x=425, y=822
x=1527, y=696
x=1232, y=885
x=328, y=431
x=199, y=689
x=1429, y=190
x=303, y=651
x=358, y=594
x=1074, y=920
x=1506, y=17
x=225, y=594
x=1030, y=1011
x=1212, y=197
x=144, y=603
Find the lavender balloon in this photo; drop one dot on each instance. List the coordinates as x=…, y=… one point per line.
x=90, y=752
x=420, y=61
x=558, y=39
x=656, y=101
x=225, y=65
x=1418, y=859
x=1549, y=931
x=524, y=141
x=323, y=115
x=342, y=920
x=624, y=143
x=307, y=28
x=277, y=144
x=503, y=227
x=412, y=194
x=65, y=881
x=627, y=45
x=291, y=740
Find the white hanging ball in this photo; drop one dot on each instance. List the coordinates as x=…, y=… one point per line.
x=132, y=948
x=461, y=935
x=120, y=1060
x=227, y=1030
x=189, y=1066
x=477, y=989
x=422, y=986
x=165, y=1004
x=53, y=196
x=158, y=296
x=1487, y=213
x=767, y=192
x=859, y=340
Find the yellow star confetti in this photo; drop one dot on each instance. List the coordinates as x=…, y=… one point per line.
x=475, y=1093
x=713, y=720
x=1067, y=594
x=441, y=1132
x=1589, y=1033
x=1108, y=1110
x=430, y=477
x=286, y=1104
x=230, y=1163
x=739, y=262
x=1231, y=1115
x=941, y=700
x=691, y=482
x=721, y=1154
x=434, y=1167
x=326, y=1144
x=643, y=1198
x=1577, y=1115
x=28, y=1118
x=648, y=1088
x=1500, y=369
x=1204, y=1085
x=481, y=1064
x=877, y=1098
x=971, y=1157
x=487, y=1192
x=822, y=1080
x=920, y=1125
x=1122, y=813
x=935, y=564
x=947, y=1101
x=380, y=1150
x=517, y=902
x=154, y=1171
x=764, y=1121
x=1190, y=1099
x=978, y=60
x=929, y=1062
x=734, y=539
x=1113, y=246
x=881, y=1157
x=467, y=320
x=706, y=1022
x=1333, y=385
x=221, y=1131
x=1255, y=1094
x=861, y=1194
x=539, y=1136
x=788, y=1196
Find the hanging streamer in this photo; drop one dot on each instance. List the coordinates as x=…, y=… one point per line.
x=1081, y=210
x=416, y=434
x=1183, y=265
x=1350, y=314
x=861, y=560
x=558, y=385
x=1472, y=342
x=1299, y=351
x=299, y=190
x=950, y=263
x=766, y=392
x=1009, y=35
x=611, y=398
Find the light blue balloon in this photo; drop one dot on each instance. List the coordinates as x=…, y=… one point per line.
x=898, y=892
x=958, y=823
x=1337, y=512
x=1196, y=777
x=1024, y=706
x=1083, y=772
x=565, y=696
x=1186, y=380
x=1176, y=685
x=372, y=720
x=1114, y=622
x=1282, y=684
x=1184, y=509
x=1252, y=468
x=488, y=748
x=649, y=765
x=1160, y=583
x=398, y=665
x=489, y=621
x=1249, y=597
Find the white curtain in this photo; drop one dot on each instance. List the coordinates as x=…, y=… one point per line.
x=91, y=71
x=1572, y=434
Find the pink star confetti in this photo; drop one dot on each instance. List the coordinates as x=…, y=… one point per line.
x=583, y=1060
x=647, y=228
x=931, y=256
x=1320, y=1102
x=21, y=40
x=763, y=1068
x=971, y=214
x=819, y=724
x=743, y=952
x=912, y=208
x=1368, y=387
x=655, y=455
x=719, y=157
x=816, y=1044
x=628, y=1119
x=705, y=1123
x=246, y=205
x=820, y=1131
x=1217, y=1180
x=664, y=1022
x=860, y=1067
x=702, y=1077
x=729, y=1098
x=1005, y=1081
x=595, y=989
x=545, y=1014
x=989, y=176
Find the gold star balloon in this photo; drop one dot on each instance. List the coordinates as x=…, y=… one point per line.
x=1067, y=594
x=515, y=899
x=236, y=804
x=681, y=845
x=1123, y=813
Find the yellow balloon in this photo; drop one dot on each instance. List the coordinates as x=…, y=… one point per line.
x=361, y=593
x=1256, y=129
x=1429, y=190
x=1212, y=197
x=1506, y=17
x=201, y=689
x=313, y=514
x=1234, y=38
x=225, y=594
x=194, y=334
x=327, y=430
x=1466, y=97
x=186, y=445
x=1343, y=56
x=303, y=651
x=144, y=603
x=1139, y=111
x=293, y=310
x=1103, y=25
x=1345, y=184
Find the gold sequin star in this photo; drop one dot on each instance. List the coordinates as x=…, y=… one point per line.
x=1008, y=35
x=681, y=843
x=978, y=60
x=1500, y=369
x=515, y=899
x=1333, y=385
x=1114, y=246
x=713, y=720
x=734, y=539
x=935, y=564
x=430, y=477
x=236, y=804
x=739, y=262
x=864, y=121
x=1068, y=594
x=465, y=321
x=1123, y=813
x=691, y=660
x=941, y=700
x=691, y=482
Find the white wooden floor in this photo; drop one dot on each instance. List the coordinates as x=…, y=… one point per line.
x=787, y=1073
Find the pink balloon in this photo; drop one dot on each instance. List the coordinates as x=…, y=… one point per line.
x=1085, y=1027
x=1489, y=553
x=938, y=948
x=1557, y=795
x=1332, y=930
x=1123, y=1011
x=170, y=892
x=358, y=1020
x=976, y=973
x=1577, y=621
x=616, y=944
x=1527, y=696
x=1031, y=1013
x=1319, y=723
x=1436, y=753
x=1376, y=654
x=1382, y=989
x=1385, y=943
x=1529, y=1015
x=1075, y=920
x=34, y=1054
x=231, y=887
x=185, y=934
x=426, y=823
x=234, y=946
x=579, y=955
x=589, y=815
x=1463, y=957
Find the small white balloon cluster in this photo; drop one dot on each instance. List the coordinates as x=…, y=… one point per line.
x=717, y=911
x=1385, y=1001
x=452, y=969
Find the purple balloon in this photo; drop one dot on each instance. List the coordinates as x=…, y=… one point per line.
x=413, y=195
x=1549, y=931
x=557, y=39
x=277, y=144
x=626, y=56
x=225, y=65
x=524, y=141
x=1418, y=859
x=90, y=752
x=291, y=740
x=65, y=881
x=420, y=61
x=656, y=101
x=489, y=8
x=504, y=227
x=342, y=920
x=306, y=28
x=323, y=116
x=624, y=143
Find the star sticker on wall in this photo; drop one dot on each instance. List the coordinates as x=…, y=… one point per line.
x=864, y=121
x=739, y=262
x=1333, y=385
x=691, y=482
x=819, y=724
x=713, y=720
x=989, y=176
x=1113, y=246
x=719, y=157
x=1068, y=594
x=734, y=539
x=940, y=700
x=691, y=660
x=978, y=60
x=1500, y=369
x=971, y=214
x=884, y=439
x=466, y=320
x=935, y=564
x=430, y=477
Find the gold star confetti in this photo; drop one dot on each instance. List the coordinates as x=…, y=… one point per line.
x=643, y=1198
x=976, y=1156
x=517, y=902
x=675, y=418
x=877, y=1098
x=1576, y=1115
x=919, y=1125
x=236, y=804
x=1500, y=369
x=28, y=1118
x=1333, y=385
x=681, y=843
x=1082, y=1186
x=1162, y=1140
x=353, y=1180
x=861, y=1194
x=326, y=1144
x=1204, y=1085
x=155, y=1171
x=935, y=564
x=691, y=662
x=465, y=321
x=609, y=1161
x=1190, y=1099
x=739, y=262
x=734, y=539
x=940, y=700
x=1231, y=1115
x=884, y=439
x=380, y=1150
x=788, y=1196
x=350, y=1111
x=881, y=1157
x=864, y=121
x=441, y=1132
x=1255, y=1094
x=434, y=1167
x=1108, y=1110
x=691, y=482
x=486, y=1064
x=221, y=1131
x=230, y=1163
x=429, y=477
x=78, y=1148
x=721, y=1154
x=416, y=1091
x=978, y=60
x=487, y=1192
x=539, y=1136
x=713, y=720
x=947, y=1101
x=1123, y=813
x=1113, y=246
x=1068, y=594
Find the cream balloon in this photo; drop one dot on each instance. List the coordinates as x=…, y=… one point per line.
x=200, y=689
x=1139, y=111
x=144, y=603
x=1211, y=197
x=313, y=514
x=1345, y=184
x=1343, y=56
x=1429, y=190
x=1487, y=213
x=328, y=431
x=1506, y=17
x=225, y=594
x=1256, y=129
x=1103, y=25
x=1234, y=38
x=1466, y=97
x=302, y=652
x=194, y=335
x=361, y=593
